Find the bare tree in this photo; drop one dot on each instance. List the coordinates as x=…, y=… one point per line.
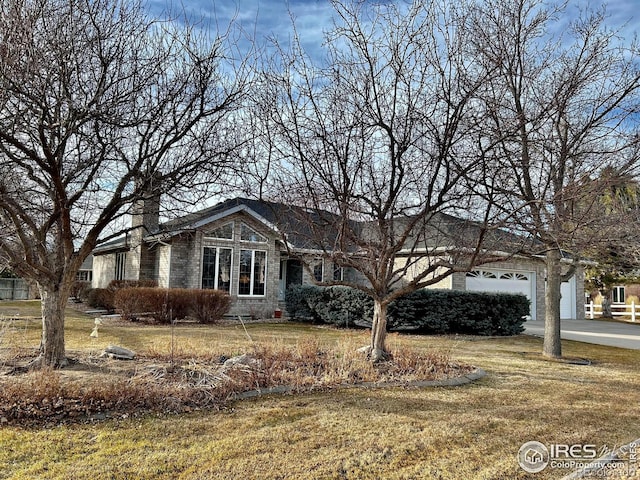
x=380, y=143
x=100, y=105
x=559, y=108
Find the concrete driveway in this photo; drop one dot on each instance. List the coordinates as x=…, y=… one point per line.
x=613, y=334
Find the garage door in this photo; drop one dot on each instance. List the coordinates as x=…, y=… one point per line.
x=505, y=281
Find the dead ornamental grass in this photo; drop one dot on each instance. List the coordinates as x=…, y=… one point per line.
x=472, y=432
x=104, y=388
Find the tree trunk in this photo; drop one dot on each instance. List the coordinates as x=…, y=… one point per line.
x=378, y=351
x=52, y=349
x=552, y=346
x=606, y=307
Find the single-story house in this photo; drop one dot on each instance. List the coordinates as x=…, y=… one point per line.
x=238, y=246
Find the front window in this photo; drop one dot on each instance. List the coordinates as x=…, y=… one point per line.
x=121, y=261
x=318, y=271
x=617, y=295
x=225, y=232
x=84, y=276
x=338, y=273
x=253, y=272
x=216, y=268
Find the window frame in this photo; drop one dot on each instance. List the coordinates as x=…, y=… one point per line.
x=84, y=275
x=340, y=273
x=212, y=236
x=120, y=268
x=318, y=263
x=252, y=271
x=216, y=268
x=618, y=294
x=244, y=226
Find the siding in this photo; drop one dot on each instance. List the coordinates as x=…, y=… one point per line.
x=164, y=265
x=104, y=267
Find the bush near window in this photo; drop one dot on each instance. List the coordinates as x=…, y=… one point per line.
x=80, y=290
x=166, y=304
x=100, y=298
x=209, y=306
x=424, y=311
x=103, y=297
x=119, y=284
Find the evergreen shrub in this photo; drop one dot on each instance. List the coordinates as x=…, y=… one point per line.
x=424, y=311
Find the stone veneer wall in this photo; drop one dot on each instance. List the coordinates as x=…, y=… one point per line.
x=185, y=269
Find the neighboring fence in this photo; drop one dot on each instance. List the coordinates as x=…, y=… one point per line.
x=630, y=311
x=13, y=289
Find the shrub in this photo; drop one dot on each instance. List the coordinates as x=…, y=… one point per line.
x=120, y=284
x=143, y=301
x=167, y=304
x=100, y=298
x=128, y=303
x=80, y=290
x=297, y=299
x=339, y=306
x=425, y=311
x=209, y=306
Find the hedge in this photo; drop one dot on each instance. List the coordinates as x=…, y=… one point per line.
x=103, y=297
x=424, y=311
x=167, y=304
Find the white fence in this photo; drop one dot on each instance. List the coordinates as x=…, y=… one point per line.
x=630, y=311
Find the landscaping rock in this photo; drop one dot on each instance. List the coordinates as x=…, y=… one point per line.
x=119, y=353
x=240, y=360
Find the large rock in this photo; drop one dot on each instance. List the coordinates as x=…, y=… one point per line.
x=119, y=353
x=241, y=360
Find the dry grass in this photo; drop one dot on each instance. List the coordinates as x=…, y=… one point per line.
x=470, y=432
x=190, y=372
x=99, y=388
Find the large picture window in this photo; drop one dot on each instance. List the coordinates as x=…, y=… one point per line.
x=252, y=272
x=216, y=268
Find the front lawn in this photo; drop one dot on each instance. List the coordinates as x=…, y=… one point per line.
x=467, y=432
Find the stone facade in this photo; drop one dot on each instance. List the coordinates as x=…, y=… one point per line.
x=183, y=262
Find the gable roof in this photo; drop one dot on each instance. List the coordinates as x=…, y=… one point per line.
x=282, y=219
x=305, y=229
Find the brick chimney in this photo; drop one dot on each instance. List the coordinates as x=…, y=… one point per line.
x=145, y=219
x=146, y=210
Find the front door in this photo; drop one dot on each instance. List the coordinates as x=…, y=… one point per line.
x=290, y=274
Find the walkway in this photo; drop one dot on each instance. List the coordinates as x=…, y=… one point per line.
x=613, y=334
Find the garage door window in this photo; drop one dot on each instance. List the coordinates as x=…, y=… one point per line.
x=481, y=274
x=514, y=276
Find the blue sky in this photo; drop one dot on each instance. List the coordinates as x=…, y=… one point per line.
x=268, y=18
x=263, y=18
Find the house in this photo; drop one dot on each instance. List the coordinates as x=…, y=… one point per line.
x=244, y=247
x=234, y=246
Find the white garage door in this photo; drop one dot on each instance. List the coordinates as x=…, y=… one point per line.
x=505, y=281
